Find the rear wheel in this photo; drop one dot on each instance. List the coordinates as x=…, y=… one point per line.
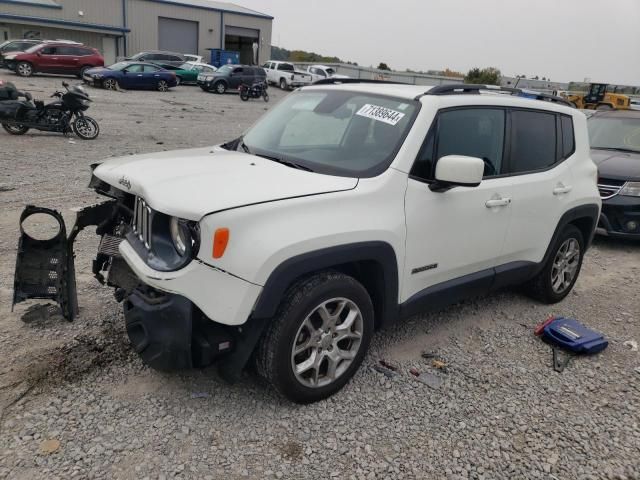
x=163, y=86
x=178, y=81
x=220, y=87
x=318, y=338
x=265, y=96
x=561, y=271
x=244, y=95
x=110, y=84
x=86, y=128
x=604, y=106
x=15, y=129
x=24, y=69
x=283, y=84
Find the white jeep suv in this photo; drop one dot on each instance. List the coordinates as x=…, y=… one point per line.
x=347, y=207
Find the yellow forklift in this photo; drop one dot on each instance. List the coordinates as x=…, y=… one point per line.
x=597, y=98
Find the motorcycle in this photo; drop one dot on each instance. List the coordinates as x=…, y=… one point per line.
x=64, y=115
x=257, y=90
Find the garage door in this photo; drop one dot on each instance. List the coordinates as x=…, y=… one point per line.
x=177, y=35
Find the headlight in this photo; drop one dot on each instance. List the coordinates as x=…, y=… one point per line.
x=98, y=76
x=179, y=236
x=631, y=189
x=9, y=57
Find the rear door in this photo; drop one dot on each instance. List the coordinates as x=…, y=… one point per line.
x=541, y=179
x=151, y=76
x=236, y=78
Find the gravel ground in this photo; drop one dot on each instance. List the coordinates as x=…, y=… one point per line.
x=76, y=402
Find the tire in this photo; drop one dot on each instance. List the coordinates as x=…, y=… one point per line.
x=163, y=86
x=178, y=81
x=110, y=84
x=220, y=88
x=555, y=282
x=297, y=323
x=244, y=95
x=283, y=84
x=604, y=106
x=265, y=96
x=82, y=70
x=24, y=69
x=15, y=129
x=86, y=128
x=203, y=88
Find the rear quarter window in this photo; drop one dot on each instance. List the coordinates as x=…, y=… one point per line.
x=568, y=139
x=533, y=141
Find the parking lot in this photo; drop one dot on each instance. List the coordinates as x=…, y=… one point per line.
x=501, y=412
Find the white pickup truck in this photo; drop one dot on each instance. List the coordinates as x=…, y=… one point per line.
x=285, y=75
x=322, y=72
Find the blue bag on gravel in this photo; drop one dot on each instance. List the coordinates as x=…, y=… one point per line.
x=571, y=335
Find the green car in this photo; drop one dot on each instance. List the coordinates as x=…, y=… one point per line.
x=188, y=72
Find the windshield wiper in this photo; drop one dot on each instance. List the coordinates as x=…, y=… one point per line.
x=617, y=149
x=286, y=162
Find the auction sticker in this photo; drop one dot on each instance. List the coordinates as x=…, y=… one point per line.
x=382, y=114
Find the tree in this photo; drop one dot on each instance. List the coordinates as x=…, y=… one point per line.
x=483, y=76
x=451, y=73
x=383, y=66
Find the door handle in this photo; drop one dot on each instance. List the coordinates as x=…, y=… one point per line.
x=498, y=202
x=561, y=189
x=140, y=75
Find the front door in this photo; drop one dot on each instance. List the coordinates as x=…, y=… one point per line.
x=461, y=231
x=133, y=77
x=48, y=59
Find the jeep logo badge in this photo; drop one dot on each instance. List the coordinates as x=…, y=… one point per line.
x=125, y=182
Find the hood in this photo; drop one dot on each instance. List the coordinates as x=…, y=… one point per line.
x=98, y=70
x=617, y=165
x=11, y=54
x=193, y=183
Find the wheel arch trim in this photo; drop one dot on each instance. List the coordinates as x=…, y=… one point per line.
x=285, y=274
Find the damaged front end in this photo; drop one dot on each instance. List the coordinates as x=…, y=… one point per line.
x=45, y=269
x=167, y=330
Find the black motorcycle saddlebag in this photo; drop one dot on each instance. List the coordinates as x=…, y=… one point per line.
x=9, y=92
x=9, y=109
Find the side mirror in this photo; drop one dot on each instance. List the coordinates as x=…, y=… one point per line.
x=458, y=171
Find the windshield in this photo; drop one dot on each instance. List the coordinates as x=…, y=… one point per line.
x=334, y=132
x=119, y=66
x=615, y=132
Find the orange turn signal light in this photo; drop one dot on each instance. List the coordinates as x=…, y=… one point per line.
x=220, y=241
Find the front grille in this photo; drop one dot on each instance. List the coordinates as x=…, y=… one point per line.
x=142, y=222
x=609, y=187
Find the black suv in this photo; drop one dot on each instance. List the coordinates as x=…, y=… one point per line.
x=15, y=46
x=159, y=57
x=230, y=77
x=615, y=148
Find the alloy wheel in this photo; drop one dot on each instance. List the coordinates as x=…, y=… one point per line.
x=163, y=86
x=110, y=84
x=25, y=70
x=327, y=342
x=221, y=88
x=565, y=265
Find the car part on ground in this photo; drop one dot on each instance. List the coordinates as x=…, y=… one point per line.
x=64, y=115
x=312, y=291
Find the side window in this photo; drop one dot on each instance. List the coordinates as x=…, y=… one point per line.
x=474, y=132
x=568, y=140
x=237, y=71
x=533, y=141
x=135, y=68
x=48, y=51
x=150, y=69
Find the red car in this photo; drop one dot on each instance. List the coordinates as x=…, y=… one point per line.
x=54, y=57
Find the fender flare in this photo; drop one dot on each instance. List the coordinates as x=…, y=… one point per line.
x=589, y=211
x=381, y=253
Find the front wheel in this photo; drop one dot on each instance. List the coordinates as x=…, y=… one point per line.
x=110, y=84
x=24, y=69
x=220, y=87
x=318, y=338
x=15, y=129
x=86, y=128
x=265, y=96
x=562, y=268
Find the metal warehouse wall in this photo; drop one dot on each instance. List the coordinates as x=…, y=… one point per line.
x=104, y=12
x=91, y=39
x=142, y=19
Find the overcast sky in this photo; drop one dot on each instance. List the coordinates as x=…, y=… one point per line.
x=561, y=39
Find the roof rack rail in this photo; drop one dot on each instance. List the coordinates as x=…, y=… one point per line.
x=342, y=81
x=470, y=89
